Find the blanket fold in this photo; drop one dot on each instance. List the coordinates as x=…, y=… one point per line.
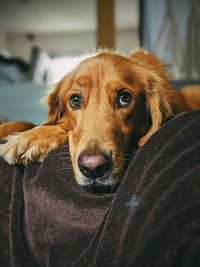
x=47, y=219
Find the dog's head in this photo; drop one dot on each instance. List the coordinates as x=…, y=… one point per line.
x=105, y=103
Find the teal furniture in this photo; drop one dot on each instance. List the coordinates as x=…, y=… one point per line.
x=23, y=101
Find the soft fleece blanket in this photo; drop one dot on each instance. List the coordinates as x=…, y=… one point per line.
x=47, y=219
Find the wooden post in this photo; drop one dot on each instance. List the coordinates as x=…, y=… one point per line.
x=105, y=24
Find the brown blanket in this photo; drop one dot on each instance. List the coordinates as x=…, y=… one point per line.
x=153, y=219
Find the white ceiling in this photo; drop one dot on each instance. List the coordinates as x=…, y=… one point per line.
x=40, y=16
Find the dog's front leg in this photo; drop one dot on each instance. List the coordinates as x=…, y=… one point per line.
x=32, y=145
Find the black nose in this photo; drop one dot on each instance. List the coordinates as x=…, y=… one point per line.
x=94, y=166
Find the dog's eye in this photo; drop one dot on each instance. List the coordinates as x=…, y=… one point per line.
x=124, y=99
x=75, y=101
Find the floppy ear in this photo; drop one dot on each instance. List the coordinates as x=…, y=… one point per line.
x=157, y=90
x=55, y=105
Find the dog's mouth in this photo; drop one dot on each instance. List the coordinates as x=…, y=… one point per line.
x=105, y=184
x=100, y=187
x=99, y=173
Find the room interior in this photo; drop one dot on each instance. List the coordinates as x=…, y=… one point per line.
x=40, y=40
x=46, y=217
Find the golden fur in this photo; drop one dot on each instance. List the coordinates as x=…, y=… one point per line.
x=99, y=125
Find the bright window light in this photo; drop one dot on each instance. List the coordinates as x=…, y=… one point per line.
x=61, y=66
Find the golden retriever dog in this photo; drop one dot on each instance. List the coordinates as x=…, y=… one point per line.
x=103, y=107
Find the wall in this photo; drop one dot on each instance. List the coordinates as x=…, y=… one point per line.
x=3, y=41
x=76, y=42
x=19, y=45
x=127, y=40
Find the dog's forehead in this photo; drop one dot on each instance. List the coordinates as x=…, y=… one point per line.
x=104, y=60
x=101, y=66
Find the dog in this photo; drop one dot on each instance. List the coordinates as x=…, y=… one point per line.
x=104, y=107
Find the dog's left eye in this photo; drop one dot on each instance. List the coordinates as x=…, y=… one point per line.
x=124, y=99
x=75, y=101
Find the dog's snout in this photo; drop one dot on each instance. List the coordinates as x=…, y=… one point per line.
x=94, y=166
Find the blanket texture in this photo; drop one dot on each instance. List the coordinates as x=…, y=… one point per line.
x=153, y=219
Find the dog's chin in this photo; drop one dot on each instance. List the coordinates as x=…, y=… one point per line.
x=100, y=187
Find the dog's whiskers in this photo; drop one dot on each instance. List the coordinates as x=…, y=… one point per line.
x=125, y=159
x=60, y=153
x=65, y=169
x=66, y=164
x=64, y=159
x=63, y=154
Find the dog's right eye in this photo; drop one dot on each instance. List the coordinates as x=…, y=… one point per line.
x=75, y=101
x=124, y=99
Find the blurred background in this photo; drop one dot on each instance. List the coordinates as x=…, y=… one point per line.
x=40, y=40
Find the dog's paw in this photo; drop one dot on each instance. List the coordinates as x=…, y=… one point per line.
x=22, y=148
